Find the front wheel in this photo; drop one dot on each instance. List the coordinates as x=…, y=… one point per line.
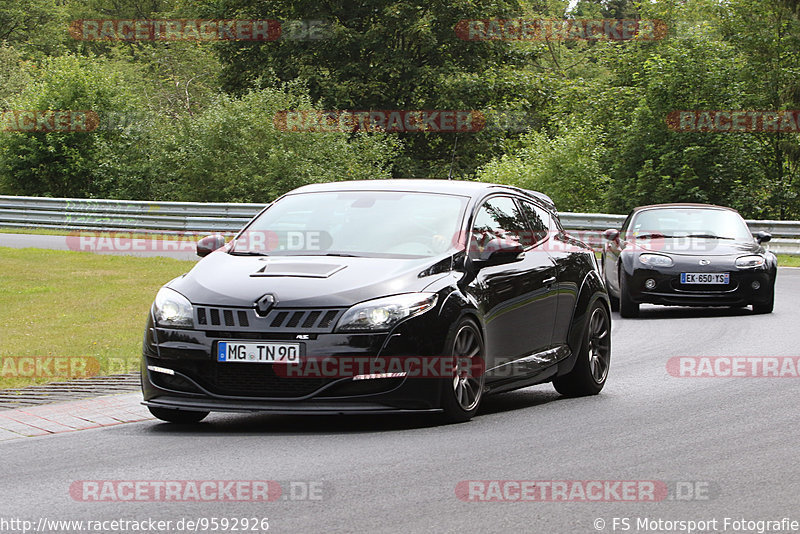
x=462, y=393
x=594, y=357
x=183, y=417
x=627, y=307
x=614, y=301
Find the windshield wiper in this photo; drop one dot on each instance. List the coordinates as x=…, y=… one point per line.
x=340, y=254
x=652, y=236
x=708, y=236
x=247, y=253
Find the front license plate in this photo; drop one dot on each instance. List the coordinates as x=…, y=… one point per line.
x=232, y=351
x=705, y=278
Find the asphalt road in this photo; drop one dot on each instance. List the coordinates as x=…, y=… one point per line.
x=735, y=440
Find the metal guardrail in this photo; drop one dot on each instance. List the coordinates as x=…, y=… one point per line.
x=100, y=214
x=198, y=218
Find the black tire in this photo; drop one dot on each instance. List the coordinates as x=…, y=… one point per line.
x=181, y=417
x=462, y=394
x=765, y=307
x=614, y=301
x=590, y=372
x=627, y=307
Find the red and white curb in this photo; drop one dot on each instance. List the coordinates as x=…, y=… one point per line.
x=72, y=415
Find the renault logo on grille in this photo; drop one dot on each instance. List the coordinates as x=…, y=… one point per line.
x=265, y=303
x=705, y=262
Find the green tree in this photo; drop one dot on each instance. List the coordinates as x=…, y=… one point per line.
x=59, y=163
x=16, y=74
x=232, y=151
x=566, y=166
x=390, y=54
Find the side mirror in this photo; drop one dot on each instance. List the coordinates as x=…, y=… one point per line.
x=498, y=252
x=762, y=237
x=612, y=234
x=209, y=244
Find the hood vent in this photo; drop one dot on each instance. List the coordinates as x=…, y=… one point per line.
x=305, y=270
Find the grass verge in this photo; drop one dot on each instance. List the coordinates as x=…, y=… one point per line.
x=784, y=260
x=74, y=313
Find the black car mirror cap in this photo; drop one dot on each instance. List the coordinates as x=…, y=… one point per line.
x=612, y=234
x=499, y=252
x=763, y=237
x=209, y=244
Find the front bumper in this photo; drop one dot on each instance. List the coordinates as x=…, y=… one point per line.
x=669, y=291
x=285, y=408
x=180, y=371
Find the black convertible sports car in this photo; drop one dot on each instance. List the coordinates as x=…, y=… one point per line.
x=688, y=255
x=380, y=296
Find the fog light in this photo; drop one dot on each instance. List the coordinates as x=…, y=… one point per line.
x=379, y=375
x=650, y=283
x=157, y=369
x=756, y=284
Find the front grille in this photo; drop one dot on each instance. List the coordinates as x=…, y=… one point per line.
x=316, y=320
x=704, y=288
x=246, y=379
x=260, y=380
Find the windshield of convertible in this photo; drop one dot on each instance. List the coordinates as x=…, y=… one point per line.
x=355, y=223
x=701, y=223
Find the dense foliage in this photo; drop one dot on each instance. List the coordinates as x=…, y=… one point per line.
x=584, y=121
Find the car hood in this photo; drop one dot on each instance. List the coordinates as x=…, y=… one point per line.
x=222, y=279
x=699, y=247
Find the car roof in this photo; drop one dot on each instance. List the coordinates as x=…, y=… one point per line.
x=423, y=185
x=682, y=205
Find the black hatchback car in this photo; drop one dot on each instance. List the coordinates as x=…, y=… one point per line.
x=380, y=296
x=688, y=255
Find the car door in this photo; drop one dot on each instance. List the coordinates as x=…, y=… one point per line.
x=569, y=272
x=516, y=299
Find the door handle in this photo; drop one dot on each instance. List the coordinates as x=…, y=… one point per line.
x=548, y=281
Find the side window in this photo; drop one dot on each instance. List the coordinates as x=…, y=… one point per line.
x=539, y=220
x=497, y=218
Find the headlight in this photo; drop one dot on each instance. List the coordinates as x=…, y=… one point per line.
x=173, y=309
x=656, y=260
x=750, y=262
x=384, y=313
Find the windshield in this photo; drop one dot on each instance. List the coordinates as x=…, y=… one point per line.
x=689, y=222
x=356, y=223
